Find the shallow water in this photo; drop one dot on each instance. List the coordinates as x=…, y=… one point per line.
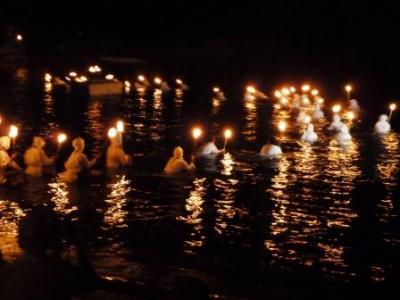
x=238, y=212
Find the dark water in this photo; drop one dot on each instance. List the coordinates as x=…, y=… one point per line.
x=238, y=217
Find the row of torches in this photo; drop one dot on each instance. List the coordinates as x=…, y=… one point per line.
x=286, y=92
x=251, y=94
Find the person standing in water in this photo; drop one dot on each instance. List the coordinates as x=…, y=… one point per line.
x=77, y=161
x=5, y=160
x=35, y=158
x=209, y=148
x=177, y=163
x=116, y=157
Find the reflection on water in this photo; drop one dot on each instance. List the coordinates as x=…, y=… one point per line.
x=10, y=214
x=194, y=211
x=115, y=215
x=60, y=196
x=249, y=131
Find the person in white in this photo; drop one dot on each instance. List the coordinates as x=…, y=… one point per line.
x=318, y=113
x=383, y=125
x=354, y=107
x=336, y=124
x=116, y=157
x=177, y=164
x=5, y=160
x=209, y=148
x=35, y=158
x=343, y=137
x=309, y=135
x=271, y=150
x=76, y=162
x=301, y=117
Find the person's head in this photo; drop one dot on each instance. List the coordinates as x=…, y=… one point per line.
x=5, y=142
x=310, y=127
x=383, y=118
x=178, y=152
x=38, y=142
x=336, y=118
x=78, y=144
x=212, y=139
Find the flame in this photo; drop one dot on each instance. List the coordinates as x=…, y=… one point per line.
x=120, y=126
x=61, y=138
x=13, y=132
x=112, y=132
x=197, y=132
x=228, y=133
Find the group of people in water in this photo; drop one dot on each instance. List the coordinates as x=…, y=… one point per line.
x=36, y=159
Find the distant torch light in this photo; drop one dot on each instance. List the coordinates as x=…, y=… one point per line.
x=336, y=108
x=120, y=126
x=61, y=138
x=109, y=76
x=305, y=88
x=112, y=133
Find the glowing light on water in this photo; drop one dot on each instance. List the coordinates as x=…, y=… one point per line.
x=141, y=78
x=293, y=89
x=314, y=92
x=10, y=214
x=284, y=101
x=72, y=74
x=282, y=126
x=278, y=94
x=109, y=76
x=116, y=200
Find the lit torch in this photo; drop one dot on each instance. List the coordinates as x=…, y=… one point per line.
x=61, y=138
x=348, y=89
x=227, y=134
x=392, y=107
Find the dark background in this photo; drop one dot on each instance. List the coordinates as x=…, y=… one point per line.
x=327, y=42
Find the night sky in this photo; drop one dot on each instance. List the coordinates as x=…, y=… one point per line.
x=304, y=23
